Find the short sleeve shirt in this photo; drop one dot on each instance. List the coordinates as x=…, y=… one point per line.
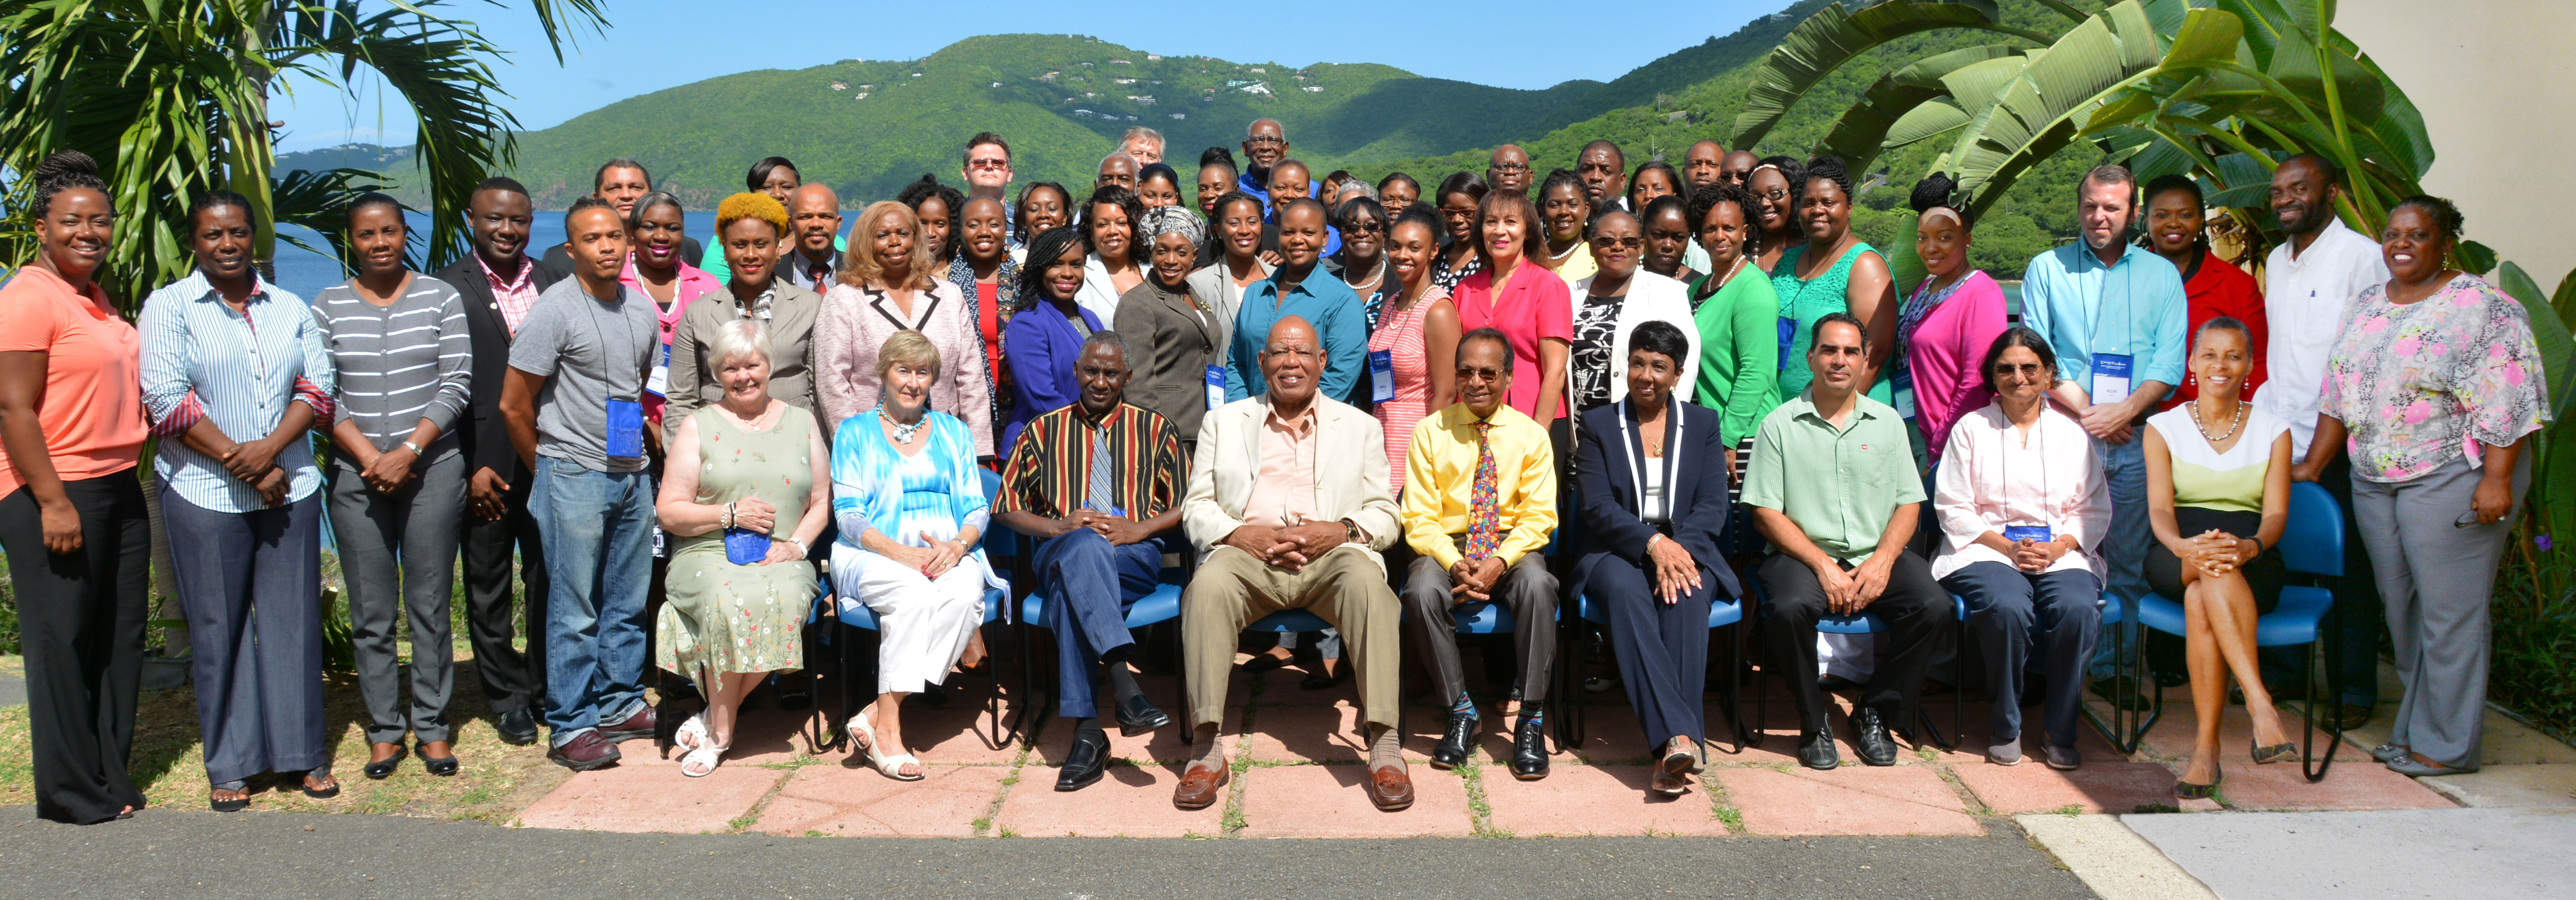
x=1530, y=306
x=589, y=352
x=1839, y=485
x=92, y=409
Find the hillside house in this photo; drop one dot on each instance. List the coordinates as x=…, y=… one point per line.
x=1153, y=57
x=1120, y=62
x=840, y=85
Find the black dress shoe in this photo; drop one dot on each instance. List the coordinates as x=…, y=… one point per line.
x=1317, y=680
x=1876, y=747
x=1529, y=749
x=1137, y=715
x=1452, y=748
x=1816, y=751
x=1085, y=763
x=381, y=769
x=518, y=727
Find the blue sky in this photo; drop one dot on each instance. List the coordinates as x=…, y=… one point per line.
x=656, y=44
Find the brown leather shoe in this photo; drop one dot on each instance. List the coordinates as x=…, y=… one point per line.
x=1390, y=788
x=639, y=726
x=1200, y=788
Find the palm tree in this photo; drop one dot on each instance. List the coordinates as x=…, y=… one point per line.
x=172, y=97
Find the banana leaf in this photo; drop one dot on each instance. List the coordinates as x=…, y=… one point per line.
x=1834, y=36
x=2557, y=347
x=2044, y=108
x=1867, y=128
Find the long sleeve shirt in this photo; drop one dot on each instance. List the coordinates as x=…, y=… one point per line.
x=1991, y=479
x=1440, y=479
x=396, y=365
x=202, y=361
x=2134, y=306
x=1324, y=302
x=854, y=325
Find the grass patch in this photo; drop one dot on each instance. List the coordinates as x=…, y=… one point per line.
x=2070, y=810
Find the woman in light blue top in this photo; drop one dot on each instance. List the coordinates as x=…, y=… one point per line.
x=911, y=507
x=234, y=372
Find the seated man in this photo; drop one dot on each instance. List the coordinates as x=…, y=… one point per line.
x=1833, y=487
x=1289, y=506
x=1093, y=483
x=1482, y=504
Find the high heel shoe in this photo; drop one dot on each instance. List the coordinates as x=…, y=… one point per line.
x=2189, y=791
x=381, y=769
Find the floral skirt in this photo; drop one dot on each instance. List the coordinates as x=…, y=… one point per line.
x=722, y=617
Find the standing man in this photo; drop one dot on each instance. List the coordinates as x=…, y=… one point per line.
x=1704, y=165
x=813, y=222
x=1833, y=487
x=1264, y=145
x=1479, y=505
x=1509, y=170
x=621, y=182
x=2116, y=313
x=1117, y=169
x=573, y=402
x=1144, y=144
x=498, y=284
x=1094, y=483
x=1738, y=168
x=987, y=172
x=2314, y=275
x=1299, y=289
x=1289, y=508
x=1604, y=171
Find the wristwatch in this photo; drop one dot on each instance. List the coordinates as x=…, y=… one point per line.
x=1350, y=532
x=414, y=448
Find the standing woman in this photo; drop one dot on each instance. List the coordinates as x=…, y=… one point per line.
x=1158, y=186
x=1397, y=191
x=1418, y=331
x=1774, y=188
x=1735, y=310
x=1047, y=334
x=72, y=518
x=1111, y=230
x=1656, y=179
x=1834, y=271
x=236, y=371
x=1043, y=206
x=1216, y=179
x=1612, y=303
x=941, y=211
x=1174, y=335
x=2437, y=384
x=1948, y=323
x=890, y=283
x=1670, y=249
x=776, y=177
x=1362, y=260
x=656, y=270
x=1530, y=305
x=402, y=365
x=1461, y=195
x=2177, y=228
x=1236, y=232
x=1564, y=213
x=983, y=269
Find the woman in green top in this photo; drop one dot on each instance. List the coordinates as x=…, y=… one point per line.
x=1734, y=307
x=1835, y=271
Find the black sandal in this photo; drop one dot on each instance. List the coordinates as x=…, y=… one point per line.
x=323, y=773
x=235, y=805
x=379, y=770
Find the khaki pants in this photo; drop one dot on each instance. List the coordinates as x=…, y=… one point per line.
x=1233, y=590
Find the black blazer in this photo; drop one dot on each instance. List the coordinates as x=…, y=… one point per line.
x=1695, y=479
x=482, y=433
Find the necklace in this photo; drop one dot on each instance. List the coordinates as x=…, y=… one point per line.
x=749, y=423
x=2204, y=429
x=903, y=431
x=1377, y=274
x=1555, y=259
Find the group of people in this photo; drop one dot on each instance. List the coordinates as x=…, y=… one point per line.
x=1369, y=402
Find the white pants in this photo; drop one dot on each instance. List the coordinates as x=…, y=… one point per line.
x=922, y=623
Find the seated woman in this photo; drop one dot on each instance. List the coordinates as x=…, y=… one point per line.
x=744, y=495
x=2218, y=494
x=911, y=507
x=1654, y=498
x=2023, y=504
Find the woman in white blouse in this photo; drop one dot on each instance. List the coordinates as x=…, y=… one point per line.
x=2023, y=503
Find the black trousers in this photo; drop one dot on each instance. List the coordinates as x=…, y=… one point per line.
x=80, y=620
x=1913, y=607
x=512, y=680
x=1662, y=647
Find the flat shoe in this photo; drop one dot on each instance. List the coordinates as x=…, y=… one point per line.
x=2406, y=765
x=2388, y=753
x=2264, y=756
x=379, y=770
x=2189, y=791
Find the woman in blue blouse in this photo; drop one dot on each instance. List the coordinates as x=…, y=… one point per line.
x=234, y=372
x=911, y=507
x=1047, y=333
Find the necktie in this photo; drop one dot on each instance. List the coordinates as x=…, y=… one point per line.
x=1098, y=496
x=1484, y=510
x=819, y=274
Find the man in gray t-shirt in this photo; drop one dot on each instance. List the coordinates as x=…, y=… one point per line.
x=589, y=352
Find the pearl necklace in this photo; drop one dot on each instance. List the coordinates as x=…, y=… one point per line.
x=1377, y=276
x=2204, y=429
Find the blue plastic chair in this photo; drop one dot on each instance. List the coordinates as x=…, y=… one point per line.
x=998, y=544
x=2312, y=543
x=1163, y=605
x=1720, y=615
x=1870, y=623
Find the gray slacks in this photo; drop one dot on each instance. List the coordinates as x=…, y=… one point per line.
x=1528, y=589
x=252, y=586
x=398, y=553
x=2436, y=579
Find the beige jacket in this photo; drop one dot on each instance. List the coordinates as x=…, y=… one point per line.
x=791, y=350
x=1350, y=483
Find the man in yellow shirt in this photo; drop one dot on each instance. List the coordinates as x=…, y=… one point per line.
x=1479, y=503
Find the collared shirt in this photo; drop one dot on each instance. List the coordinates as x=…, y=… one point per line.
x=515, y=295
x=1992, y=477
x=1440, y=467
x=1840, y=485
x=1532, y=305
x=1050, y=469
x=1324, y=302
x=794, y=266
x=201, y=360
x=2306, y=296
x=1257, y=188
x=2135, y=306
x=1283, y=493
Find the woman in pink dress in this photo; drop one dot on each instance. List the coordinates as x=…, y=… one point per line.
x=1418, y=332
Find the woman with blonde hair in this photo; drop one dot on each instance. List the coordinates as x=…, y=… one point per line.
x=890, y=282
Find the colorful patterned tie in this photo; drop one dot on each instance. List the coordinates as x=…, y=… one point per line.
x=1484, y=509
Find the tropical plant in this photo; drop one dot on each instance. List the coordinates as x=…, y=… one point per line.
x=171, y=96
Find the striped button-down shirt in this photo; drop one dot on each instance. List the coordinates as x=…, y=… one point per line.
x=202, y=361
x=396, y=365
x=1050, y=469
x=515, y=295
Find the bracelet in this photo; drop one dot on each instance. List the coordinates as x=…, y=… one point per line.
x=2258, y=545
x=801, y=549
x=728, y=516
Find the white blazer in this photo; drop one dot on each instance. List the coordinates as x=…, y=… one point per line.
x=1651, y=298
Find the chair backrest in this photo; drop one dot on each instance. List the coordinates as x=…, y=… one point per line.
x=2312, y=542
x=997, y=541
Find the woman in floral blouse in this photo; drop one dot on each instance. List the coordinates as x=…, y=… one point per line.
x=2433, y=386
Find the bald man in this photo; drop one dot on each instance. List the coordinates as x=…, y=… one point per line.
x=1288, y=507
x=813, y=222
x=1703, y=164
x=1509, y=170
x=1738, y=167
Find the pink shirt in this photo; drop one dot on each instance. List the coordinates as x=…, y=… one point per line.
x=1991, y=479
x=513, y=296
x=1944, y=352
x=1400, y=335
x=1283, y=494
x=1532, y=306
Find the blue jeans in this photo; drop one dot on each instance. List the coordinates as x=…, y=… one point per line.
x=1088, y=585
x=2125, y=548
x=598, y=536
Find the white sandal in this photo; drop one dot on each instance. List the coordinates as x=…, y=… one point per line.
x=890, y=766
x=695, y=727
x=707, y=754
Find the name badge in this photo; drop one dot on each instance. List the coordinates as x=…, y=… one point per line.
x=1215, y=386
x=2020, y=533
x=1381, y=375
x=1901, y=386
x=625, y=431
x=2110, y=378
x=1788, y=338
x=745, y=547
x=658, y=382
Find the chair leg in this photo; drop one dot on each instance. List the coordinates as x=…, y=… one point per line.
x=1733, y=690
x=1958, y=692
x=2311, y=765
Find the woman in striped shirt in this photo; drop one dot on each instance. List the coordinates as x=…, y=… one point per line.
x=403, y=365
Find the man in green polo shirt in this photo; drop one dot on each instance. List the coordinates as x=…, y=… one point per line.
x=1833, y=487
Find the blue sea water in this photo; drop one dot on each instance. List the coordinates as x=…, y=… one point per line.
x=305, y=273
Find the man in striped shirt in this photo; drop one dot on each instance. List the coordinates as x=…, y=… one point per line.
x=1093, y=483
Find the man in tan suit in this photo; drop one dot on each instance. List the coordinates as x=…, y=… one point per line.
x=1289, y=506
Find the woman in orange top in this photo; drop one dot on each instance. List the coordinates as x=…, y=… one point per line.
x=71, y=511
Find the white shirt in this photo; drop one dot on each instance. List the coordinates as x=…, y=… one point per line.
x=1651, y=297
x=1988, y=480
x=1101, y=297
x=2303, y=301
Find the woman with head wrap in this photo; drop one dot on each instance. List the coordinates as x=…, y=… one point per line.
x=1175, y=333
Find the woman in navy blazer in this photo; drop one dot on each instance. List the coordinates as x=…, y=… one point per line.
x=1046, y=334
x=1653, y=477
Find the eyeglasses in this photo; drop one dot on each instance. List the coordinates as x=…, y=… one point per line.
x=988, y=164
x=1774, y=195
x=2026, y=369
x=1616, y=242
x=1263, y=140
